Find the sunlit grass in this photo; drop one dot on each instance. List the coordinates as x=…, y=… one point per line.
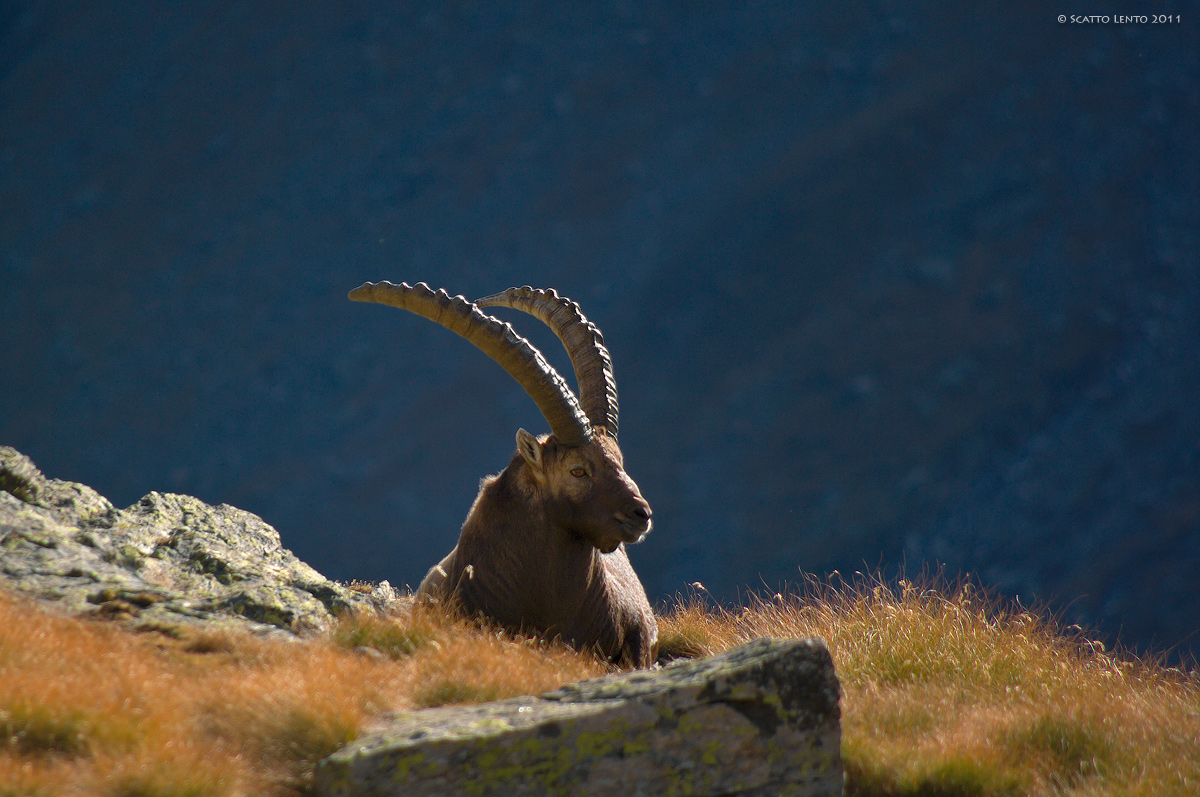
x=944, y=693
x=88, y=708
x=947, y=693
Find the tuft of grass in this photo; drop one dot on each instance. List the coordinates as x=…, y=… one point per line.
x=489, y=664
x=692, y=629
x=391, y=636
x=30, y=730
x=446, y=692
x=947, y=692
x=184, y=770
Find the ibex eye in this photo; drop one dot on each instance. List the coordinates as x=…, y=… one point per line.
x=578, y=473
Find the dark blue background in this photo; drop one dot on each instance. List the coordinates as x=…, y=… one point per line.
x=883, y=282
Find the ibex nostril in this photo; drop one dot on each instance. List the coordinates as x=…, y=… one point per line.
x=642, y=512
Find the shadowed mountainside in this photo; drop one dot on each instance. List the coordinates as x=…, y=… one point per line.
x=880, y=285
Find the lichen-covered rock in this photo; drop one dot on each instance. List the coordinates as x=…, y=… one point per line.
x=761, y=719
x=166, y=560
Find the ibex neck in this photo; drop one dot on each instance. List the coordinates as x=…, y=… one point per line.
x=521, y=558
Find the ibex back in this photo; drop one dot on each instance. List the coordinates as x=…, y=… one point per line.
x=542, y=549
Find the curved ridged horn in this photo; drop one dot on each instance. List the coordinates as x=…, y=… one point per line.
x=583, y=342
x=497, y=340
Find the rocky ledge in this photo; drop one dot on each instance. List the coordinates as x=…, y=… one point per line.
x=757, y=720
x=167, y=560
x=761, y=719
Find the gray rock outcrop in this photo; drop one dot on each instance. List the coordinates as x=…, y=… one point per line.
x=760, y=719
x=165, y=561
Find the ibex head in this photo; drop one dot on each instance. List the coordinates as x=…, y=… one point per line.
x=578, y=470
x=586, y=490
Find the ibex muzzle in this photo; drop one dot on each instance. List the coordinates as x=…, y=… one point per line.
x=588, y=491
x=542, y=549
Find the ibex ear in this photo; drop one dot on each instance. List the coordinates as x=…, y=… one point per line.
x=530, y=449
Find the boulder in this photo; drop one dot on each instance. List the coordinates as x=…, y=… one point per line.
x=760, y=719
x=165, y=561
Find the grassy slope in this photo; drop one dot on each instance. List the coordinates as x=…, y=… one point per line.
x=88, y=708
x=944, y=694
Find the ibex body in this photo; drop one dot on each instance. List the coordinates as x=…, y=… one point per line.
x=542, y=549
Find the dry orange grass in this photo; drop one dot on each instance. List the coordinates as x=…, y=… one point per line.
x=88, y=708
x=946, y=693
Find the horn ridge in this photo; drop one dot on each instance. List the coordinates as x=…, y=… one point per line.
x=584, y=344
x=496, y=339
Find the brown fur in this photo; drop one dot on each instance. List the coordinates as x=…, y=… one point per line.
x=542, y=550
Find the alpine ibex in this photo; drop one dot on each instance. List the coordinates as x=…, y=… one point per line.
x=542, y=549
